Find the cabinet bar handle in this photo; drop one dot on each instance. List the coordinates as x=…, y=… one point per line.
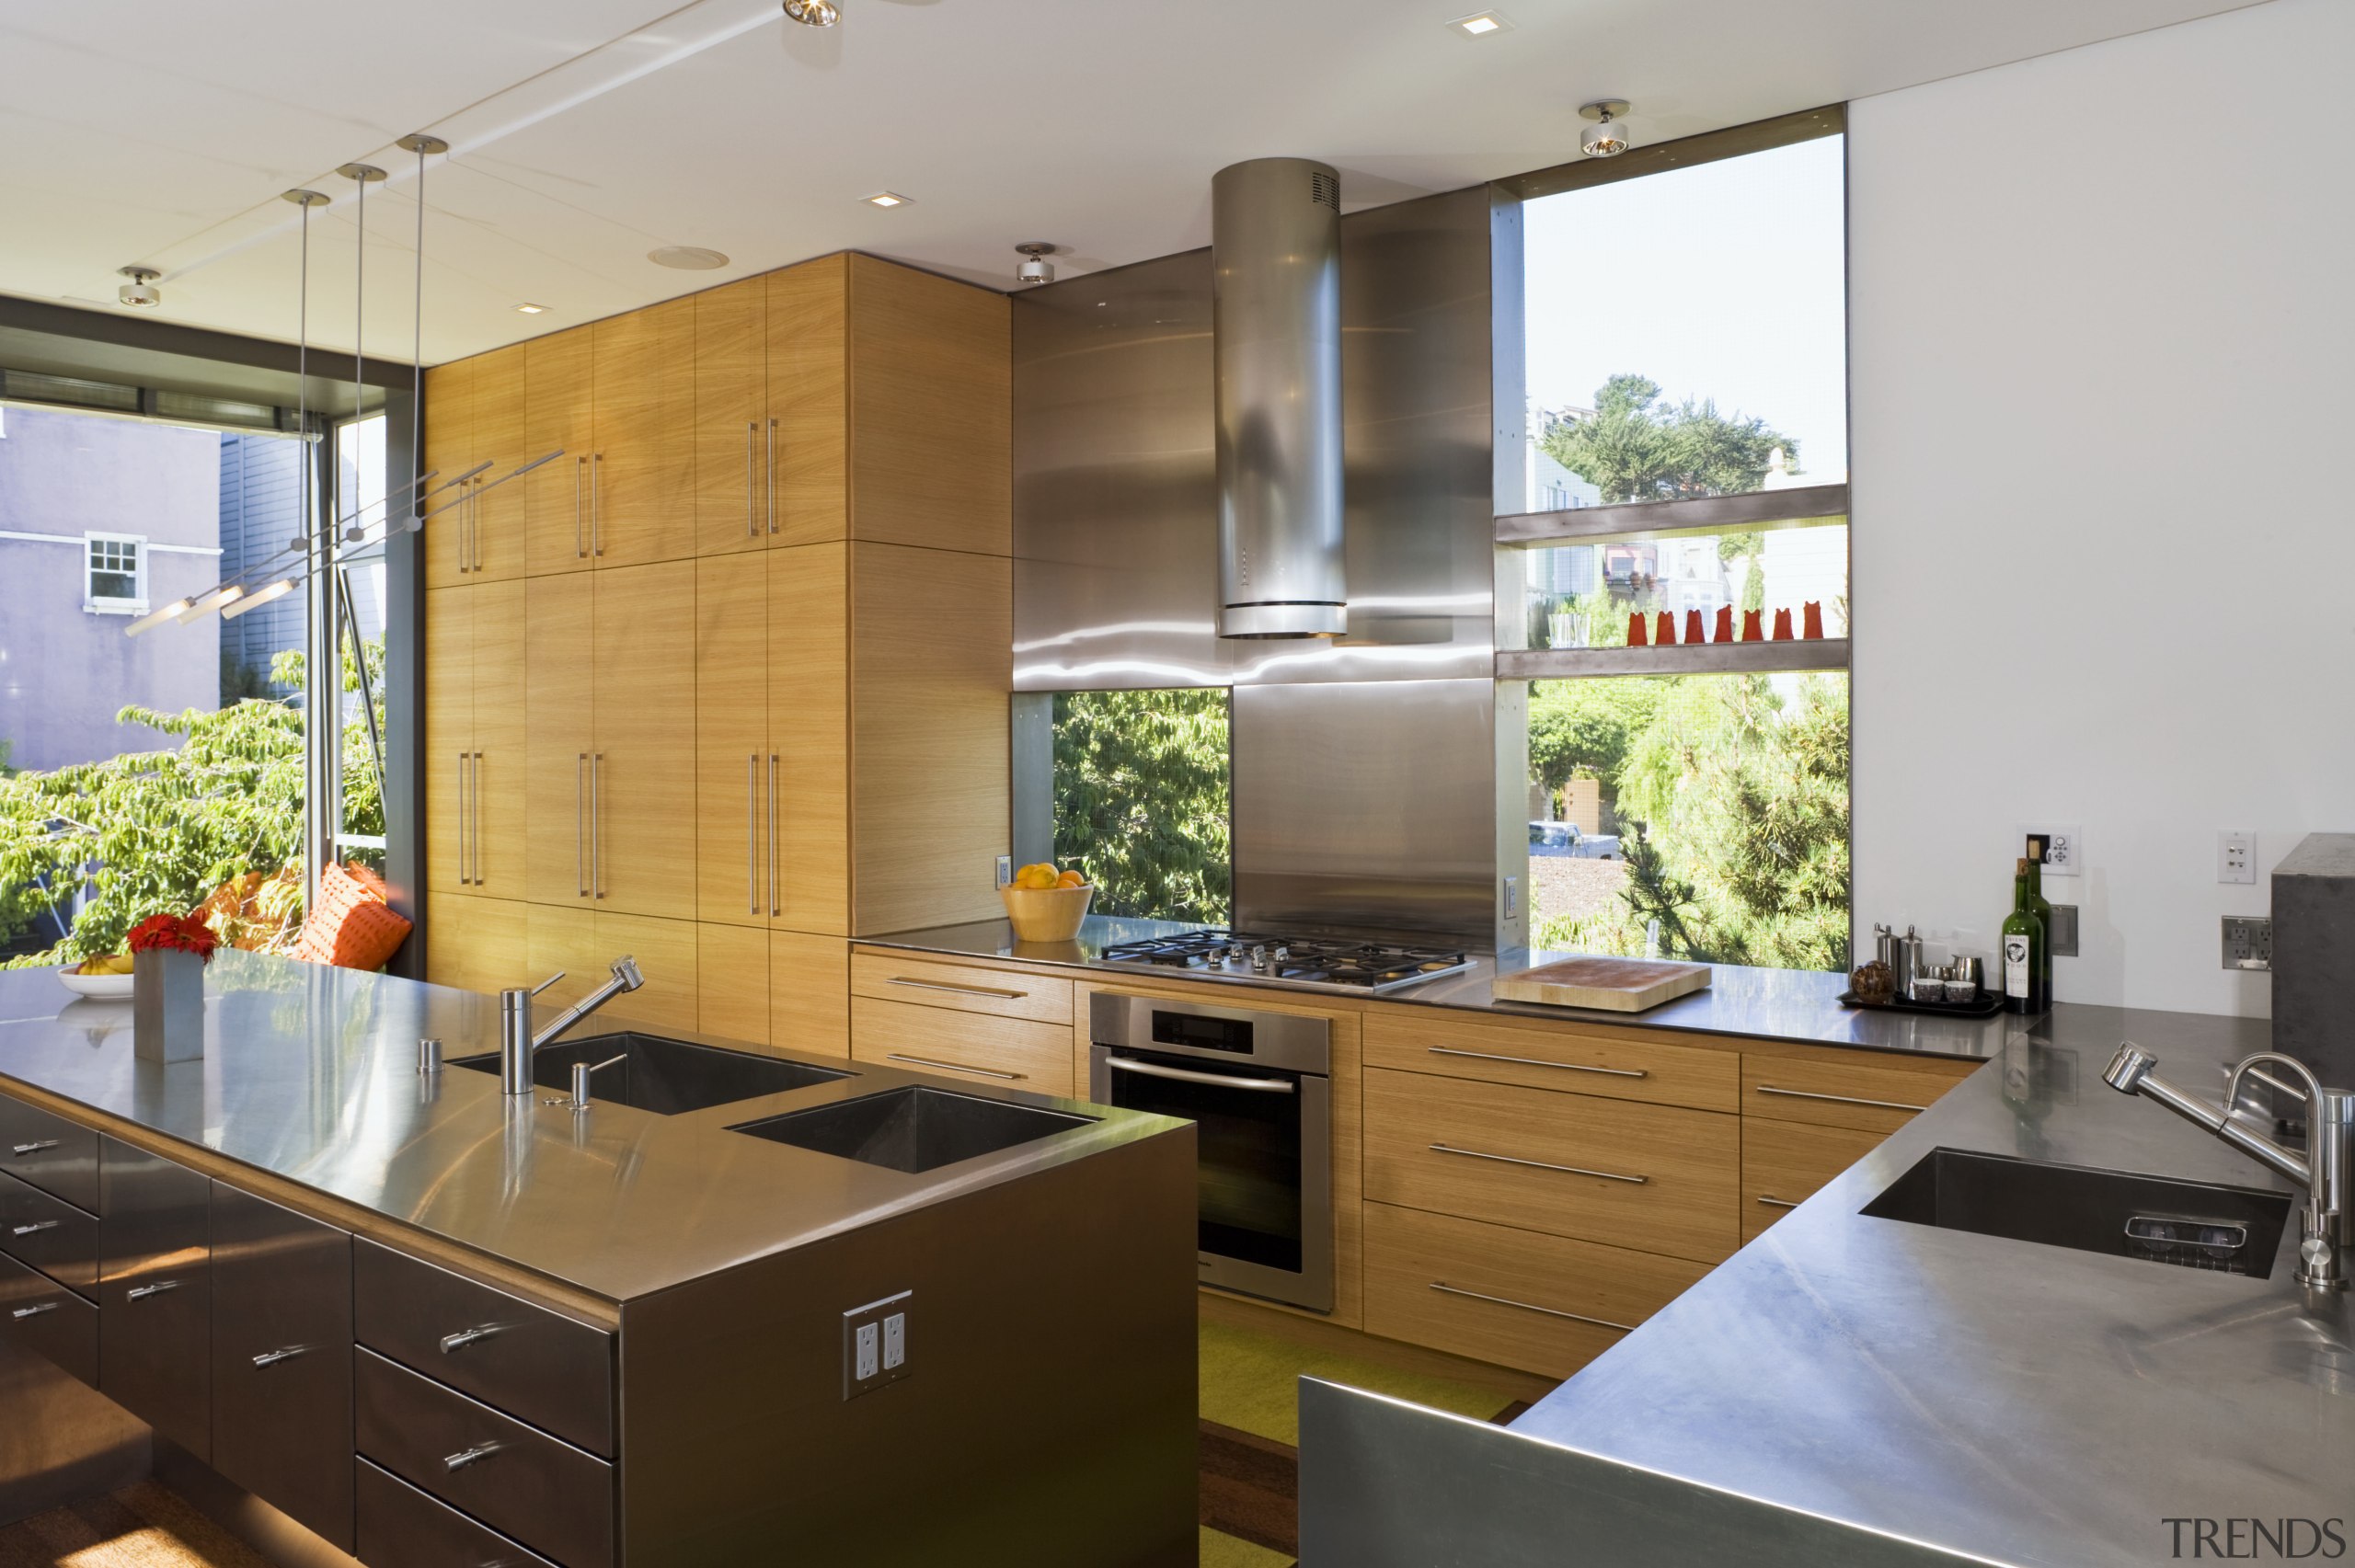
x=35, y=1227
x=776, y=878
x=35, y=1310
x=1538, y=1164
x=751, y=834
x=1531, y=1307
x=463, y=879
x=1216, y=1080
x=479, y=529
x=141, y=1292
x=771, y=476
x=465, y=509
x=479, y=879
x=750, y=427
x=272, y=1357
x=596, y=504
x=1839, y=1099
x=453, y=1343
x=579, y=874
x=1772, y=1202
x=596, y=827
x=580, y=467
x=960, y=990
x=1539, y=1061
x=952, y=1067
x=473, y=1456
x=35, y=1148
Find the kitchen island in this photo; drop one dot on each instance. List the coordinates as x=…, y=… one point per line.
x=616, y=1336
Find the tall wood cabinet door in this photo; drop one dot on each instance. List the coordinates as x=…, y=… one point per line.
x=665, y=951
x=735, y=439
x=643, y=768
x=641, y=470
x=732, y=982
x=559, y=625
x=810, y=732
x=498, y=523
x=563, y=939
x=498, y=806
x=935, y=376
x=735, y=779
x=449, y=451
x=449, y=738
x=477, y=944
x=810, y=993
x=558, y=417
x=809, y=394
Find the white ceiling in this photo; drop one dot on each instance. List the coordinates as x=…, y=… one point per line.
x=585, y=132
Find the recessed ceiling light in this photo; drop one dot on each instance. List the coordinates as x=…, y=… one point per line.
x=532, y=309
x=1480, y=24
x=687, y=257
x=885, y=198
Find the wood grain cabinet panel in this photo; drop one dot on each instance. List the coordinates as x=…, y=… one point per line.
x=809, y=381
x=560, y=716
x=785, y=991
x=558, y=416
x=642, y=768
x=1515, y=1298
x=449, y=451
x=968, y=988
x=498, y=526
x=583, y=944
x=808, y=731
x=1657, y=1178
x=736, y=860
x=479, y=944
x=641, y=467
x=735, y=438
x=476, y=740
x=1783, y=1163
x=449, y=738
x=1014, y=1052
x=1576, y=1060
x=932, y=368
x=1863, y=1092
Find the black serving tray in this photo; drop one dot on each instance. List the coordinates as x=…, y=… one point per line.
x=1989, y=1003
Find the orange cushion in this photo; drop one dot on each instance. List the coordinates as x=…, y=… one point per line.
x=352, y=926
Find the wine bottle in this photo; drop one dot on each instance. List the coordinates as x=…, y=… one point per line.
x=2026, y=963
x=2041, y=907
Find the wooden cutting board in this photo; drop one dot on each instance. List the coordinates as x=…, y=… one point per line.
x=1614, y=985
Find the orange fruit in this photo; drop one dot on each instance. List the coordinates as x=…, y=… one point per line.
x=1070, y=879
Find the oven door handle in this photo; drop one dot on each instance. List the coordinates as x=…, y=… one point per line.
x=1217, y=1080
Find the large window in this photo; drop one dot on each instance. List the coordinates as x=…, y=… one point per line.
x=1685, y=570
x=1142, y=801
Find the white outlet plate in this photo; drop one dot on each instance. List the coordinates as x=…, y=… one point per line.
x=2065, y=855
x=2235, y=856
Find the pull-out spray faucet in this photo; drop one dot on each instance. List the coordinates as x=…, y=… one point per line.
x=518, y=1045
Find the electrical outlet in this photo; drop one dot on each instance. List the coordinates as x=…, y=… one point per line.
x=2064, y=847
x=2235, y=856
x=1006, y=871
x=875, y=1344
x=2249, y=942
x=2062, y=937
x=1513, y=898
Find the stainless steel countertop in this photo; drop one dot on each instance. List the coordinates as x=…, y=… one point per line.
x=2029, y=1404
x=310, y=1074
x=1767, y=1004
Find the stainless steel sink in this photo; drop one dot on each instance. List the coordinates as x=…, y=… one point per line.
x=913, y=1129
x=2160, y=1219
x=666, y=1077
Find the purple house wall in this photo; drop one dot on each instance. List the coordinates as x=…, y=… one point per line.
x=65, y=666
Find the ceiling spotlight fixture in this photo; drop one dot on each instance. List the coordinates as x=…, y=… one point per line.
x=1035, y=267
x=140, y=292
x=1606, y=138
x=814, y=13
x=687, y=257
x=529, y=309
x=1480, y=24
x=885, y=198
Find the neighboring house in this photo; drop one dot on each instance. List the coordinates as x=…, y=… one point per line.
x=256, y=518
x=100, y=519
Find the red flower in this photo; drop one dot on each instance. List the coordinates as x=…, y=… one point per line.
x=174, y=933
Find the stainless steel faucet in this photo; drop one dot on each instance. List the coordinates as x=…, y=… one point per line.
x=518, y=1045
x=2326, y=1170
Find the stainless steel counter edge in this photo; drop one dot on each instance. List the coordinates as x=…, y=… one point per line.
x=309, y=1074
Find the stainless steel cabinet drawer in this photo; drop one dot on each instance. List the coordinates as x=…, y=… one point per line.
x=156, y=1293
x=528, y=1361
x=51, y=1152
x=551, y=1496
x=41, y=1315
x=48, y=1233
x=282, y=1359
x=400, y=1526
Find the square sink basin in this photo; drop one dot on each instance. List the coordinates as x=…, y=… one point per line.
x=666, y=1077
x=2157, y=1218
x=913, y=1129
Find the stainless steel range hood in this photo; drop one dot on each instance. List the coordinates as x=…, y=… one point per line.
x=1276, y=266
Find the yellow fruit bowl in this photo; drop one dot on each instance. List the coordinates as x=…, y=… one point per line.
x=1046, y=914
x=87, y=981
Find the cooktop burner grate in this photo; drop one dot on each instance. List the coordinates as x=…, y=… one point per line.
x=1298, y=960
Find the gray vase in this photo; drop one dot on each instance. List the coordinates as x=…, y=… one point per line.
x=166, y=1005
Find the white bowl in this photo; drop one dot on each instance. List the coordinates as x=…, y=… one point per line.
x=112, y=986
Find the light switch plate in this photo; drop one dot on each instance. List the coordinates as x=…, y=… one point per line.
x=2063, y=935
x=2237, y=855
x=875, y=1344
x=2064, y=847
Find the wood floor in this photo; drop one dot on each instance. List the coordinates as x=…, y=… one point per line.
x=145, y=1526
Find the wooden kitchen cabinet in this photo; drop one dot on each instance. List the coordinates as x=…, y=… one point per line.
x=737, y=861
x=1783, y=1163
x=498, y=524
x=583, y=944
x=560, y=719
x=641, y=462
x=788, y=990
x=933, y=371
x=811, y=680
x=806, y=316
x=735, y=434
x=475, y=740
x=1012, y=1052
x=1611, y=1064
x=1863, y=1091
x=478, y=945
x=449, y=451
x=156, y=1293
x=557, y=417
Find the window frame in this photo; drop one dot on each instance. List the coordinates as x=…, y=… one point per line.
x=96, y=604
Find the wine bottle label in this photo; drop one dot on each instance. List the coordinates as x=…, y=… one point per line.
x=2016, y=966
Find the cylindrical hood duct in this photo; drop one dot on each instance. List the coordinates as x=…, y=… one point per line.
x=1276, y=266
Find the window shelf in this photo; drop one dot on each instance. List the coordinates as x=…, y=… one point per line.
x=1675, y=658
x=1702, y=514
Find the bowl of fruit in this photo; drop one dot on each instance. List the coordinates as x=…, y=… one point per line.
x=1046, y=903
x=107, y=976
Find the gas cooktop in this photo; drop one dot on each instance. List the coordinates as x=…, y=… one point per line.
x=1332, y=964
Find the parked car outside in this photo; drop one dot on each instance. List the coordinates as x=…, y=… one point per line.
x=1564, y=839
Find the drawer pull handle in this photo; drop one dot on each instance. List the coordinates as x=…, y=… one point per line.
x=453, y=1342
x=22, y=1149
x=952, y=1067
x=1527, y=1307
x=1839, y=1099
x=35, y=1310
x=272, y=1357
x=1538, y=1164
x=465, y=1457
x=35, y=1226
x=1539, y=1061
x=962, y=990
x=1216, y=1080
x=1772, y=1202
x=141, y=1292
